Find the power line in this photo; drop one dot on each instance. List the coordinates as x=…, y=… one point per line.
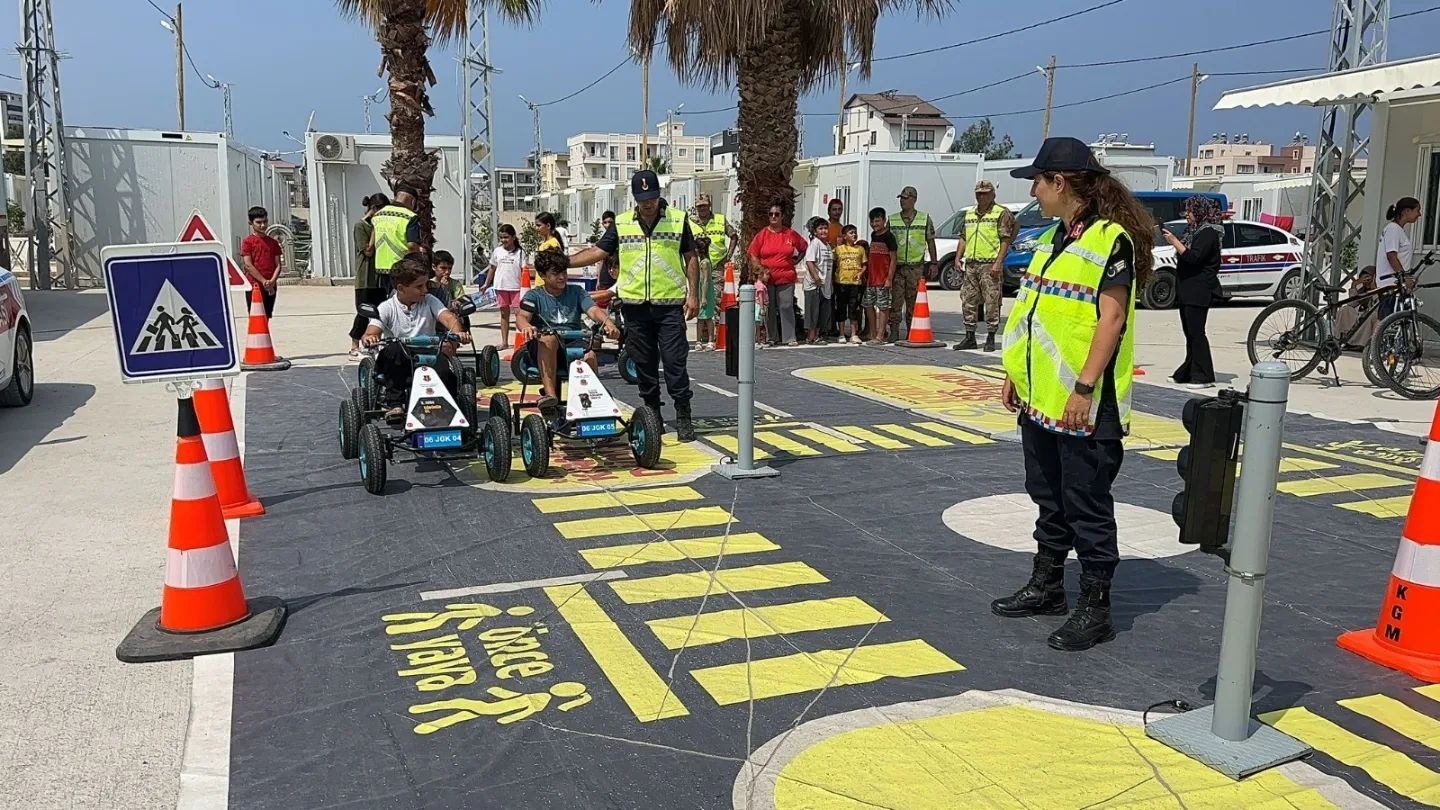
x=161, y=10
x=602, y=78
x=1000, y=34
x=12, y=78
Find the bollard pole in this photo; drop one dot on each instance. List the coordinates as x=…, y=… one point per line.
x=1224, y=736
x=744, y=465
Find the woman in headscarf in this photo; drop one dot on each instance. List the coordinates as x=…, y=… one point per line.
x=1197, y=262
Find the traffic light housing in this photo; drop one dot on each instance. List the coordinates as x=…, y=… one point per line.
x=1207, y=467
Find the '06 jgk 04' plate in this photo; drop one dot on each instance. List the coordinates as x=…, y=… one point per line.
x=438, y=440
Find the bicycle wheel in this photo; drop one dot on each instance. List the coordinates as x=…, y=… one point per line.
x=1406, y=351
x=1290, y=332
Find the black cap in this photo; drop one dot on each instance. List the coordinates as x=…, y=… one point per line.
x=1061, y=155
x=644, y=186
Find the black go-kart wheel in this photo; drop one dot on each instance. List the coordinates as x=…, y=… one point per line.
x=535, y=445
x=487, y=367
x=367, y=379
x=468, y=407
x=625, y=362
x=372, y=459
x=500, y=407
x=349, y=429
x=521, y=369
x=361, y=398
x=646, y=433
x=495, y=448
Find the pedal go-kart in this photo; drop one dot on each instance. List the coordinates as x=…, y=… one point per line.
x=591, y=416
x=606, y=353
x=433, y=425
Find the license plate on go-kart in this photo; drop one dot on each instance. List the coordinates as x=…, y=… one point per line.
x=598, y=427
x=438, y=440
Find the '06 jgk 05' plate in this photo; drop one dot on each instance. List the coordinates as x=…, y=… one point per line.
x=597, y=428
x=438, y=440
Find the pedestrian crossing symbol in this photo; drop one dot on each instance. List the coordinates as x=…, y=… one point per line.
x=172, y=326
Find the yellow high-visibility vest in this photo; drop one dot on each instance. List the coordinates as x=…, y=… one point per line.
x=651, y=267
x=982, y=234
x=390, y=244
x=715, y=229
x=910, y=239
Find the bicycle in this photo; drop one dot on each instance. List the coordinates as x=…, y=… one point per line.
x=1303, y=336
x=1405, y=351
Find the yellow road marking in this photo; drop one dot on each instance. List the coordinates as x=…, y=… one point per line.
x=784, y=443
x=1332, y=484
x=1383, y=508
x=651, y=522
x=1385, y=765
x=639, y=685
x=830, y=440
x=1164, y=453
x=607, y=500
x=913, y=435
x=1292, y=464
x=731, y=445
x=766, y=621
x=1431, y=691
x=1387, y=710
x=700, y=583
x=807, y=672
x=675, y=550
x=997, y=372
x=872, y=437
x=955, y=433
x=1364, y=462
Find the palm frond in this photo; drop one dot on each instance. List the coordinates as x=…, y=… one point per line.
x=446, y=19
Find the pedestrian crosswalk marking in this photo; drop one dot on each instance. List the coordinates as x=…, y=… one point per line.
x=694, y=548
x=872, y=437
x=810, y=671
x=1289, y=464
x=784, y=443
x=1383, y=508
x=702, y=583
x=1385, y=765
x=649, y=522
x=1403, y=719
x=172, y=326
x=994, y=372
x=1332, y=484
x=955, y=433
x=731, y=445
x=1431, y=691
x=607, y=500
x=765, y=621
x=829, y=440
x=913, y=435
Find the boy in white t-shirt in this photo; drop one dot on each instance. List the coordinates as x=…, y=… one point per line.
x=411, y=312
x=504, y=276
x=818, y=280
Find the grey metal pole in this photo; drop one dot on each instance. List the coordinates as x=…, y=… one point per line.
x=744, y=464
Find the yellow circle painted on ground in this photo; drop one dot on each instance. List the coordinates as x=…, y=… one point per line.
x=1015, y=756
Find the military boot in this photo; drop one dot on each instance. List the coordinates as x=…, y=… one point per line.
x=1043, y=595
x=990, y=342
x=1090, y=623
x=684, y=427
x=968, y=342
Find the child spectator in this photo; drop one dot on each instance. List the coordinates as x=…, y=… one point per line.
x=762, y=298
x=818, y=283
x=261, y=255
x=849, y=284
x=504, y=276
x=444, y=287
x=881, y=261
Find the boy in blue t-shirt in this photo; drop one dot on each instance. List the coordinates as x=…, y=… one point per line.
x=556, y=304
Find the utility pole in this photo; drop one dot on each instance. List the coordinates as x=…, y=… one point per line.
x=840, y=128
x=52, y=258
x=180, y=64
x=369, y=99
x=645, y=112
x=535, y=116
x=1049, y=97
x=477, y=130
x=1194, y=91
x=224, y=88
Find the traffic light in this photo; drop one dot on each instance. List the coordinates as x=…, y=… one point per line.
x=1207, y=466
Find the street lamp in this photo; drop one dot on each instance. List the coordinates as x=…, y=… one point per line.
x=670, y=135
x=535, y=118
x=840, y=128
x=368, y=99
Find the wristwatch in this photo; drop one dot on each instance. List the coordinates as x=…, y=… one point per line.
x=1084, y=390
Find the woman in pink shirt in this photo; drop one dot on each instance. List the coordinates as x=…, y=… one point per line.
x=774, y=252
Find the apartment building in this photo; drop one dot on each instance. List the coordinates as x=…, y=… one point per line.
x=894, y=122
x=519, y=188
x=598, y=158
x=554, y=172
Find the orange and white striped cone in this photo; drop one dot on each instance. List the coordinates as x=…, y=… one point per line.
x=217, y=429
x=203, y=608
x=728, y=298
x=259, y=350
x=1407, y=635
x=524, y=287
x=921, y=335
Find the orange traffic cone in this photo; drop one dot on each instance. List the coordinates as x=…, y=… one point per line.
x=259, y=350
x=921, y=336
x=728, y=298
x=1407, y=635
x=222, y=448
x=519, y=342
x=203, y=609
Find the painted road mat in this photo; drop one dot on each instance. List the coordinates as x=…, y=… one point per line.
x=818, y=640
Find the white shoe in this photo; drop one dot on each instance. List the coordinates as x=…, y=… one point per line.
x=1199, y=386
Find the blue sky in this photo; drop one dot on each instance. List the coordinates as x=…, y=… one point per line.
x=286, y=58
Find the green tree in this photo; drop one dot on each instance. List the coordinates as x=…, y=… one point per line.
x=14, y=158
x=979, y=138
x=529, y=238
x=15, y=218
x=658, y=165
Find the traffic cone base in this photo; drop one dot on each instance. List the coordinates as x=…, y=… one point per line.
x=920, y=335
x=148, y=642
x=259, y=349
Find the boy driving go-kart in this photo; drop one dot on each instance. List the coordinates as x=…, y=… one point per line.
x=411, y=313
x=556, y=305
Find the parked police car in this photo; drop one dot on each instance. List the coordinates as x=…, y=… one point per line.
x=1255, y=260
x=17, y=358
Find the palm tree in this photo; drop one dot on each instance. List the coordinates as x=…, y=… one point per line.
x=773, y=50
x=404, y=30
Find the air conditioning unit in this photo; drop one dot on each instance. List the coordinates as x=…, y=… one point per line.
x=334, y=149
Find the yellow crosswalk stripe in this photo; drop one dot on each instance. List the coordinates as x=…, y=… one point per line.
x=914, y=435
x=997, y=372
x=1164, y=453
x=784, y=443
x=1431, y=691
x=955, y=433
x=872, y=437
x=1294, y=464
x=694, y=548
x=830, y=440
x=1387, y=710
x=700, y=583
x=650, y=522
x=608, y=500
x=1383, y=508
x=1332, y=484
x=1385, y=765
x=807, y=672
x=731, y=445
x=766, y=621
x=639, y=685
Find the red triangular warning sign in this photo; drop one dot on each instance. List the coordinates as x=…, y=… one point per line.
x=198, y=230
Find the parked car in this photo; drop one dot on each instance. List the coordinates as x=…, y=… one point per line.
x=17, y=356
x=1255, y=260
x=947, y=239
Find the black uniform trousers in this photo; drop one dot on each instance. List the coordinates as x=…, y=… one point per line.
x=655, y=335
x=1069, y=479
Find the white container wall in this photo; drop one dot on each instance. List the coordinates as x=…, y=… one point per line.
x=1140, y=173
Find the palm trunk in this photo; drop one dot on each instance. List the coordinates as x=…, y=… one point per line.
x=403, y=44
x=769, y=83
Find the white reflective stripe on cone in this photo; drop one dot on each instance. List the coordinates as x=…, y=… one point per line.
x=193, y=482
x=920, y=323
x=257, y=308
x=260, y=341
x=1430, y=467
x=221, y=446
x=199, y=568
x=212, y=384
x=1418, y=564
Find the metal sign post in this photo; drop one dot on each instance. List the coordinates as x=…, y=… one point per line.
x=744, y=464
x=1225, y=736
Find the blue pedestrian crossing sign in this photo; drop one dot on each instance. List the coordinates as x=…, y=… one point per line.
x=170, y=305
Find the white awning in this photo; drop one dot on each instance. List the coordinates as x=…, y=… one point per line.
x=1328, y=89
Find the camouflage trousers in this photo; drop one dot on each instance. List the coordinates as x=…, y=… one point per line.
x=979, y=287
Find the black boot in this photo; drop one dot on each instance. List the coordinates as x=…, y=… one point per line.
x=1090, y=623
x=684, y=428
x=968, y=342
x=1043, y=595
x=990, y=342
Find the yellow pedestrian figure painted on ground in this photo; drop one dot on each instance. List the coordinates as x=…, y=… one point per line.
x=508, y=706
x=468, y=616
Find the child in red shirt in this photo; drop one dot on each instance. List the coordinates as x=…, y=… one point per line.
x=261, y=255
